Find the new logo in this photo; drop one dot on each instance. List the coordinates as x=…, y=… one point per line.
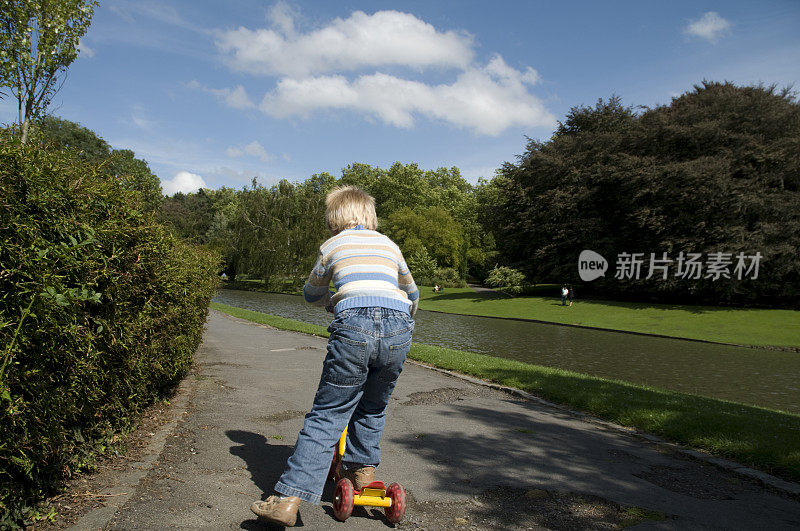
x=591, y=265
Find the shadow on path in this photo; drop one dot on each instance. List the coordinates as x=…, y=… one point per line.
x=265, y=462
x=510, y=452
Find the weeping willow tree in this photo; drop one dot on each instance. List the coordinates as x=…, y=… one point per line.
x=278, y=230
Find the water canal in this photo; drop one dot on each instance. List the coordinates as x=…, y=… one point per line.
x=753, y=376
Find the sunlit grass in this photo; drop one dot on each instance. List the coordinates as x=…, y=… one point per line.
x=740, y=326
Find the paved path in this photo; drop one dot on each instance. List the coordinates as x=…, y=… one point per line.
x=483, y=290
x=470, y=457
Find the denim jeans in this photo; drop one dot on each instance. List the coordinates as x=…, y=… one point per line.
x=366, y=351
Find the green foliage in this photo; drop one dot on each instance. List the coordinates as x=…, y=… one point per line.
x=83, y=142
x=135, y=174
x=190, y=216
x=448, y=277
x=431, y=229
x=422, y=266
x=272, y=233
x=117, y=164
x=715, y=171
x=505, y=278
x=277, y=231
x=38, y=41
x=100, y=312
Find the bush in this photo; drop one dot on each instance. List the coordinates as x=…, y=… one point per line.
x=100, y=313
x=506, y=279
x=448, y=277
x=422, y=265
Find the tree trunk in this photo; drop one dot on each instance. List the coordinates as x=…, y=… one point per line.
x=25, y=126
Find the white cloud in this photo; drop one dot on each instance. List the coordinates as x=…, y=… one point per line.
x=710, y=26
x=140, y=117
x=140, y=122
x=160, y=12
x=281, y=15
x=360, y=41
x=169, y=155
x=184, y=182
x=254, y=149
x=84, y=49
x=486, y=100
x=236, y=97
x=319, y=70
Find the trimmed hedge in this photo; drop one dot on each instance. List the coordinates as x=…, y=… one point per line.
x=101, y=310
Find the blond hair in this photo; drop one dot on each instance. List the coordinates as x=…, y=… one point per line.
x=348, y=206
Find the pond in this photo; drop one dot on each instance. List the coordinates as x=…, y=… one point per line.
x=753, y=376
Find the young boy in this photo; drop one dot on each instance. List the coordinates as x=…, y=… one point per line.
x=373, y=309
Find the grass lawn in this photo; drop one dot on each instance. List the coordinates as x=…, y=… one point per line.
x=741, y=326
x=757, y=437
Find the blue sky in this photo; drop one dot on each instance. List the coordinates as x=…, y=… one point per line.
x=215, y=93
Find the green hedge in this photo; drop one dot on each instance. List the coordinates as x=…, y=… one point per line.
x=100, y=313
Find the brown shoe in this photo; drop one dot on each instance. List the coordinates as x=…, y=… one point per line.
x=277, y=511
x=360, y=476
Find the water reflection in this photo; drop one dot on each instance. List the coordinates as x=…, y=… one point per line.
x=754, y=376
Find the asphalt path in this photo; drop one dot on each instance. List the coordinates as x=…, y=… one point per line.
x=469, y=456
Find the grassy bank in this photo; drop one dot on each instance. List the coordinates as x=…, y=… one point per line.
x=741, y=326
x=279, y=286
x=757, y=437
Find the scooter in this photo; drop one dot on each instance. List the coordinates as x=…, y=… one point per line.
x=376, y=494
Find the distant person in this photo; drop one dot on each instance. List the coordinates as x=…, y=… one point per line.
x=370, y=337
x=437, y=289
x=564, y=293
x=570, y=294
x=224, y=276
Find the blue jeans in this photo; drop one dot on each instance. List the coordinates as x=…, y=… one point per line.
x=366, y=351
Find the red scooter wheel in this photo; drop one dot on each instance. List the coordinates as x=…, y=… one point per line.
x=343, y=498
x=397, y=511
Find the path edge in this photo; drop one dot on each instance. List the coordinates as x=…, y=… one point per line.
x=129, y=480
x=767, y=480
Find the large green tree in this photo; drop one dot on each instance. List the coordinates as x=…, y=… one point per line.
x=432, y=230
x=38, y=41
x=404, y=191
x=716, y=170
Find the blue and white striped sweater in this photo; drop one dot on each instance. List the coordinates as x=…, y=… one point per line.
x=367, y=269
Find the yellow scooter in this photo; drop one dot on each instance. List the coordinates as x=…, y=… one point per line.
x=376, y=494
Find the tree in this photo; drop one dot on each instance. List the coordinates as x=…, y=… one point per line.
x=432, y=229
x=505, y=278
x=117, y=164
x=422, y=266
x=39, y=41
x=715, y=171
x=135, y=174
x=86, y=144
x=277, y=230
x=189, y=215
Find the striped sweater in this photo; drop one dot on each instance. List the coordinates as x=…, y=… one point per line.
x=367, y=269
